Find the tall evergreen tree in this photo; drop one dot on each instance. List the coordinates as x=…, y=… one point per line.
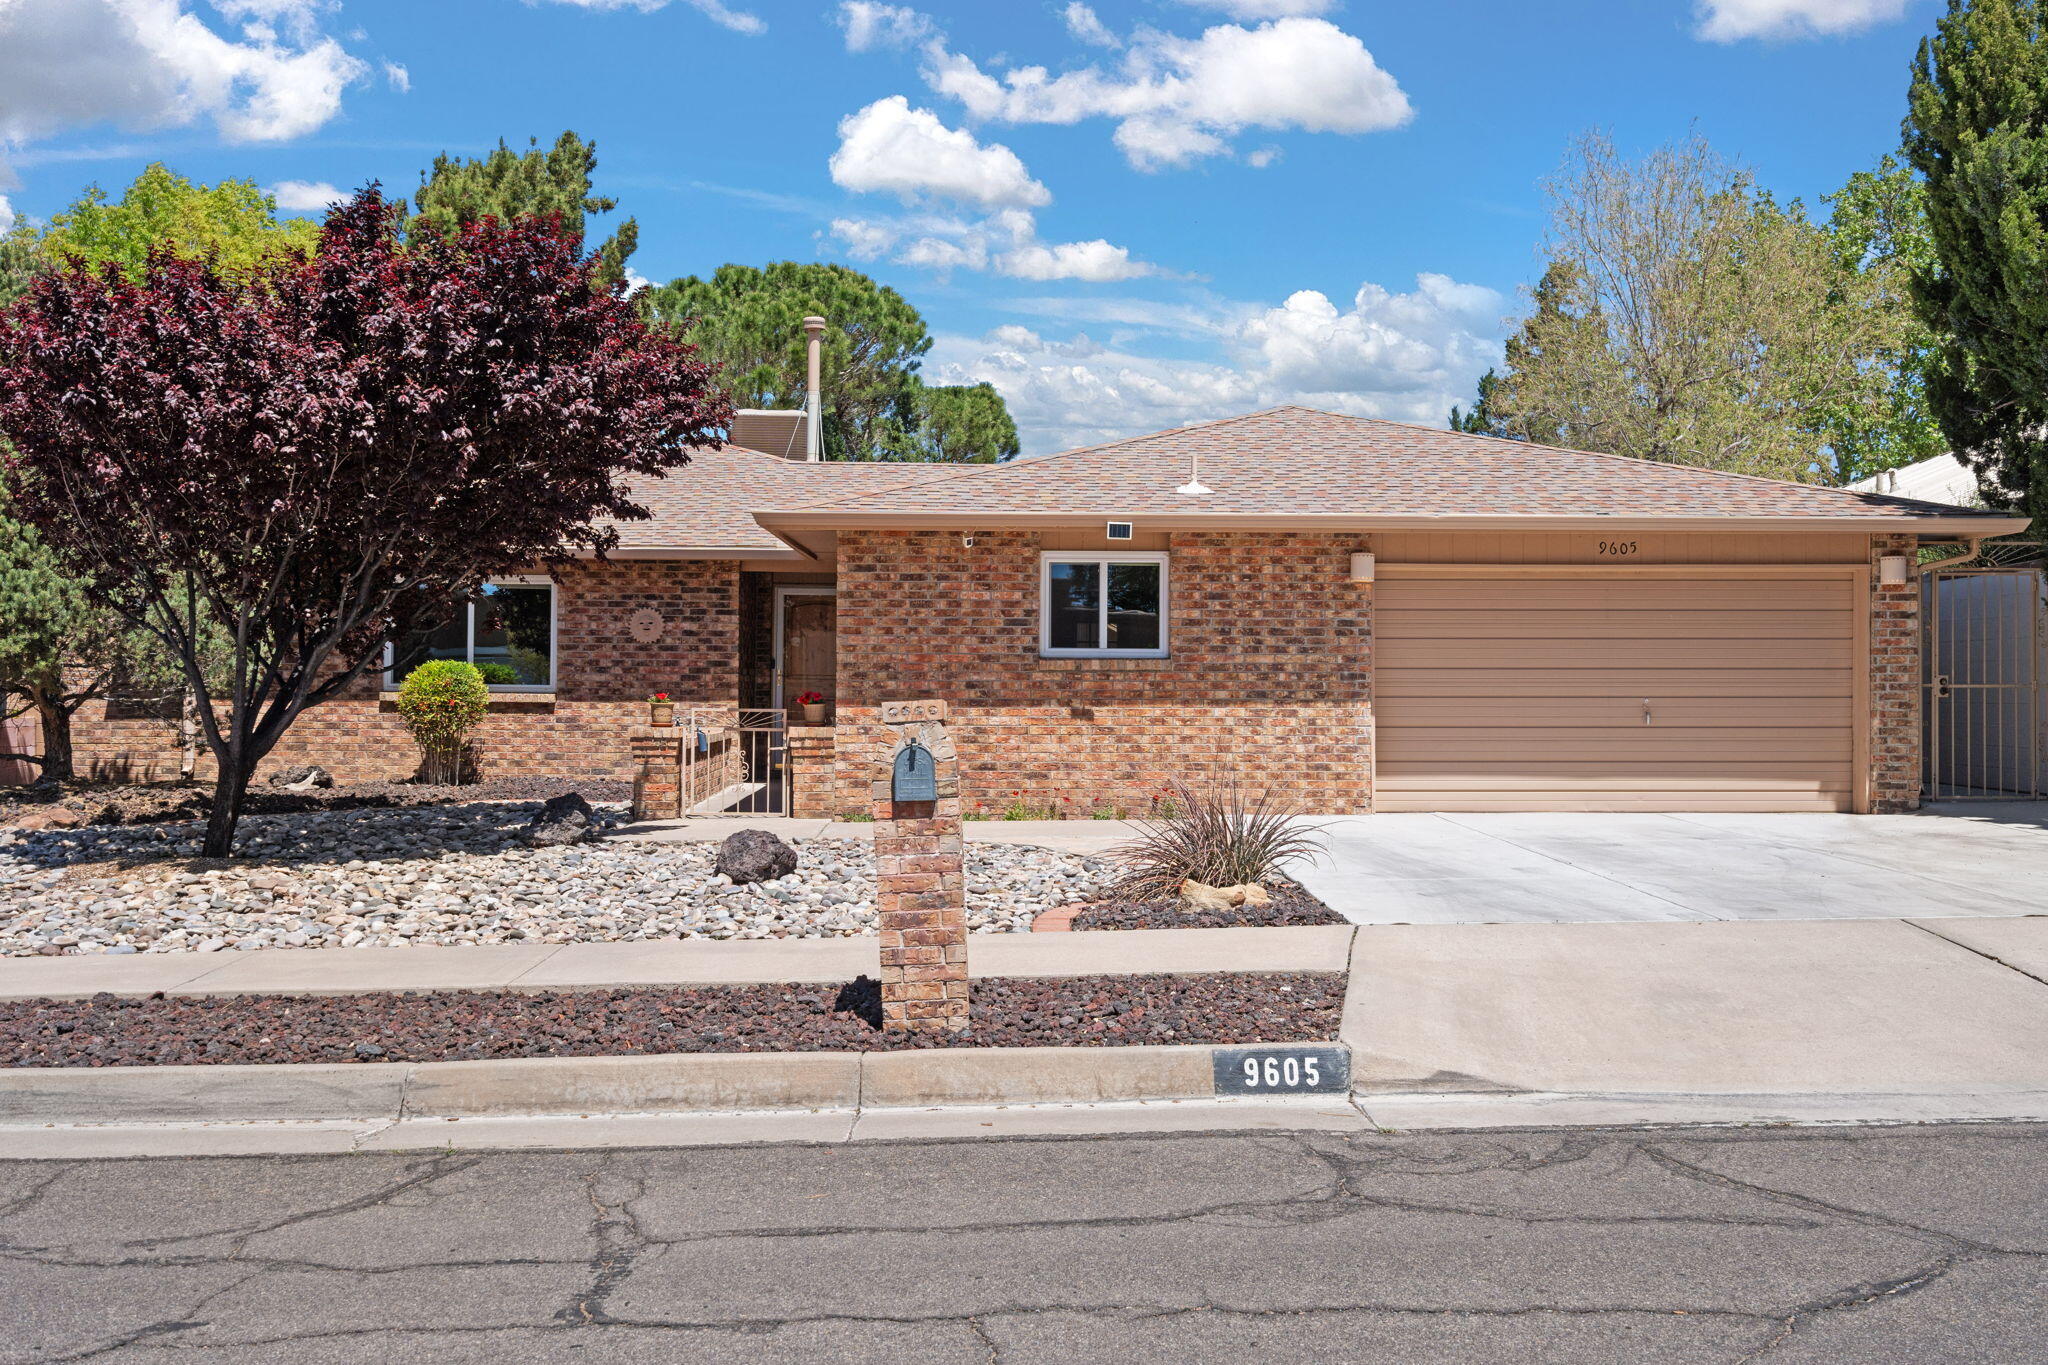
x=508, y=184
x=955, y=423
x=1481, y=419
x=1977, y=132
x=750, y=321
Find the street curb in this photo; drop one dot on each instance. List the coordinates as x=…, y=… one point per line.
x=669, y=1082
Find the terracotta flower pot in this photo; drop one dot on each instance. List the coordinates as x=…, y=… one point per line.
x=814, y=713
x=661, y=713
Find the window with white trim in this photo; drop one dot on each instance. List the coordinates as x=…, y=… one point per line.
x=506, y=628
x=1102, y=606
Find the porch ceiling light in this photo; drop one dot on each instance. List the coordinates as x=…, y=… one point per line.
x=1362, y=567
x=1892, y=570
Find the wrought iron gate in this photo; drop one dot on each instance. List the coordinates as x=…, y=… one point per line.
x=735, y=763
x=1986, y=678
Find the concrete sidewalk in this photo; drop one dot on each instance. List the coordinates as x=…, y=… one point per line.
x=688, y=962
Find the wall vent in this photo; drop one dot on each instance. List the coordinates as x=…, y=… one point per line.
x=1119, y=530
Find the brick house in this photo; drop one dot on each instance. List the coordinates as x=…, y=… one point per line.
x=1364, y=615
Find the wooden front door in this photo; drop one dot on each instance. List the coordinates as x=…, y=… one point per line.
x=807, y=647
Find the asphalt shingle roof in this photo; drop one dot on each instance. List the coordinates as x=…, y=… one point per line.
x=711, y=501
x=1300, y=461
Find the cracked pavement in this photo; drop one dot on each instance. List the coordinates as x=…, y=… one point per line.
x=1787, y=1245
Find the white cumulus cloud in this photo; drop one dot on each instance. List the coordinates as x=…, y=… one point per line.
x=1087, y=26
x=1265, y=9
x=739, y=21
x=146, y=64
x=1173, y=99
x=1727, y=21
x=907, y=152
x=869, y=25
x=305, y=196
x=6, y=214
x=1405, y=356
x=890, y=147
x=398, y=78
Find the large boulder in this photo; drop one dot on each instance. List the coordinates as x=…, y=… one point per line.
x=302, y=779
x=755, y=855
x=565, y=819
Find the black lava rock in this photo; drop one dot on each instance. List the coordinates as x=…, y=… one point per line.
x=565, y=819
x=755, y=855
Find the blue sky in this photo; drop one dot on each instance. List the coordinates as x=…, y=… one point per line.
x=1126, y=215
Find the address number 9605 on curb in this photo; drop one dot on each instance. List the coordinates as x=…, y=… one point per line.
x=1303, y=1070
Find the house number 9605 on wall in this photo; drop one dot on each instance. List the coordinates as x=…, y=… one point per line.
x=1616, y=549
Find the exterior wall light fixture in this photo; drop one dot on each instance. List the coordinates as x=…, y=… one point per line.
x=1362, y=566
x=1892, y=570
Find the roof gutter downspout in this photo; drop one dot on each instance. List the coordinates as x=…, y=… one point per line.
x=1976, y=544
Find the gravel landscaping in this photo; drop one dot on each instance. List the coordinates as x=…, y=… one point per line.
x=452, y=875
x=468, y=1025
x=1291, y=905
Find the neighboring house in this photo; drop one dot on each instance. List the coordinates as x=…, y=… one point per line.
x=1939, y=478
x=1357, y=614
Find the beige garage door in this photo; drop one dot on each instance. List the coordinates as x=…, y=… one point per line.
x=1537, y=688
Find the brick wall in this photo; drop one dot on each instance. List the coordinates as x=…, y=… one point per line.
x=1895, y=684
x=603, y=677
x=1269, y=679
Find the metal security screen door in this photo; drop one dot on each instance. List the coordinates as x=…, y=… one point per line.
x=1986, y=683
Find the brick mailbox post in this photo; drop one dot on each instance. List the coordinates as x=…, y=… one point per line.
x=921, y=886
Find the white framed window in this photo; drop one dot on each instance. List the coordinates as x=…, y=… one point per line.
x=506, y=628
x=1102, y=606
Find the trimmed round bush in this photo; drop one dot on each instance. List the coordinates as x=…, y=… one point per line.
x=440, y=702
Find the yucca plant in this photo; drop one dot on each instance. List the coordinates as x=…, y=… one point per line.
x=1216, y=835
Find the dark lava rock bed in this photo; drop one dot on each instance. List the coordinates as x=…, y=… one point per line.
x=1104, y=1011
x=100, y=803
x=1291, y=906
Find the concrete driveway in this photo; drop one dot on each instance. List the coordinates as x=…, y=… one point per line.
x=1958, y=859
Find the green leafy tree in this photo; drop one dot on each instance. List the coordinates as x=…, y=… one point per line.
x=508, y=184
x=57, y=651
x=1977, y=132
x=750, y=321
x=21, y=255
x=234, y=222
x=1878, y=224
x=954, y=423
x=1688, y=317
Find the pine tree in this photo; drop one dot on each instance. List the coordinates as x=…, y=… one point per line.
x=508, y=184
x=1977, y=133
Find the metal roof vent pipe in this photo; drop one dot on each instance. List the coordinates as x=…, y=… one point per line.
x=814, y=384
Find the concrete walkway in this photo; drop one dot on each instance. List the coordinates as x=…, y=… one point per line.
x=1067, y=836
x=690, y=962
x=1959, y=859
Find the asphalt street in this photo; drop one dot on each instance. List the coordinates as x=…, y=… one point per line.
x=1782, y=1245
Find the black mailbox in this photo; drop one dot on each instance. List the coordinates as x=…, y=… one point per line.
x=915, y=777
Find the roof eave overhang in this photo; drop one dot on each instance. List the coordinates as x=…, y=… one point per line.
x=779, y=551
x=1961, y=523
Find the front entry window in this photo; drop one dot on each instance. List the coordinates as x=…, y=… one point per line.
x=1103, y=606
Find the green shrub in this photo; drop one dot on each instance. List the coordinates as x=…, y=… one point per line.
x=440, y=702
x=1213, y=835
x=499, y=675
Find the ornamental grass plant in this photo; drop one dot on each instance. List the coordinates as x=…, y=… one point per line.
x=1215, y=835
